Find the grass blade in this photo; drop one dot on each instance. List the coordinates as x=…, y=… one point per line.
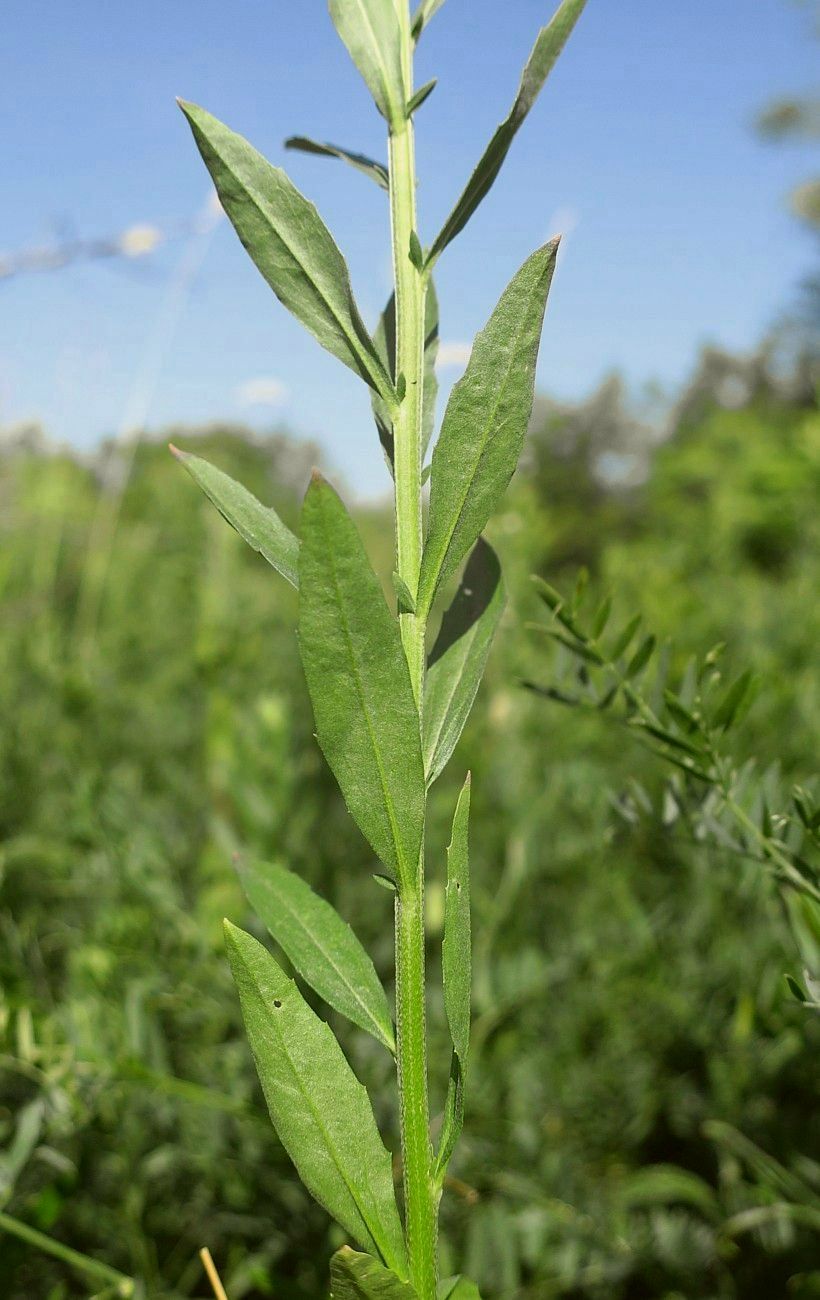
x=319, y=1109
x=321, y=946
x=290, y=245
x=366, y=718
x=260, y=526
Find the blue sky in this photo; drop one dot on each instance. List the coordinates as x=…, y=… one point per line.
x=641, y=149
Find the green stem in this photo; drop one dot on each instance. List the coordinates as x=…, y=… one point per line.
x=124, y=1286
x=419, y=1193
x=411, y=291
x=420, y=1200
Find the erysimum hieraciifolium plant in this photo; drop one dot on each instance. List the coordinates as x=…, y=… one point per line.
x=389, y=708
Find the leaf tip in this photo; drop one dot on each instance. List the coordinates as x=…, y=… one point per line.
x=176, y=452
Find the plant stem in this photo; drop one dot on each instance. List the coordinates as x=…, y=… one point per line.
x=419, y=1195
x=123, y=1286
x=411, y=289
x=411, y=1033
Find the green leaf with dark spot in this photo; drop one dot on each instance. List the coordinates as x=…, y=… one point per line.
x=360, y=1277
x=459, y=655
x=548, y=45
x=366, y=718
x=259, y=525
x=290, y=245
x=485, y=423
x=370, y=29
x=321, y=946
x=319, y=1109
x=375, y=170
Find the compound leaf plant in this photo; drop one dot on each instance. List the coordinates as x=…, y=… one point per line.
x=388, y=713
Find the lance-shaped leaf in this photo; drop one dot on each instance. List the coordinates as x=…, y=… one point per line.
x=323, y=948
x=370, y=29
x=548, y=45
x=366, y=718
x=485, y=423
x=375, y=170
x=456, y=960
x=319, y=1109
x=426, y=10
x=354, y=1276
x=457, y=660
x=289, y=243
x=385, y=341
x=260, y=526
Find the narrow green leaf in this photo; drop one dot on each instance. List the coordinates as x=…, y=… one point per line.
x=426, y=10
x=319, y=1109
x=551, y=598
x=548, y=45
x=360, y=1277
x=366, y=717
x=602, y=618
x=456, y=954
x=641, y=657
x=458, y=1288
x=321, y=946
x=729, y=706
x=404, y=595
x=290, y=245
x=385, y=343
x=421, y=96
x=375, y=170
x=453, y=1121
x=370, y=29
x=415, y=252
x=622, y=641
x=458, y=658
x=485, y=423
x=456, y=961
x=259, y=525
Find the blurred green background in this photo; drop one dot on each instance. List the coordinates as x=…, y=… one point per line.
x=642, y=1119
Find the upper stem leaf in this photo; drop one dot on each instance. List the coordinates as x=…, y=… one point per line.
x=366, y=718
x=485, y=423
x=548, y=45
x=323, y=948
x=372, y=33
x=360, y=1277
x=319, y=1109
x=456, y=960
x=426, y=10
x=290, y=244
x=375, y=170
x=457, y=660
x=260, y=526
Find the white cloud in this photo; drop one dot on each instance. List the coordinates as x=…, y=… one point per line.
x=453, y=356
x=262, y=391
